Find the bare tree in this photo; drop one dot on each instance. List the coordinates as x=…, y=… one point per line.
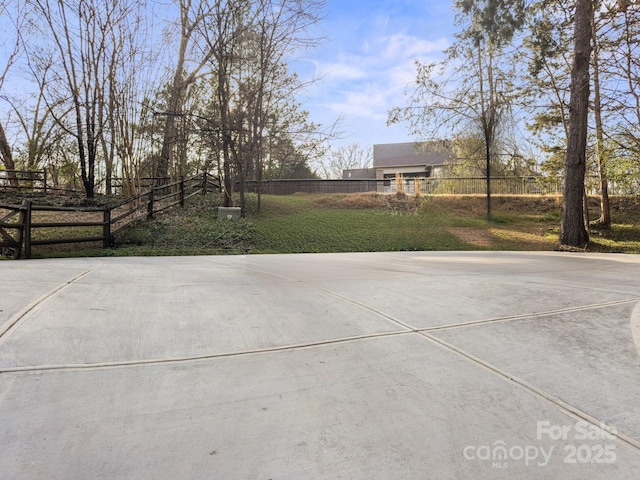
x=601, y=151
x=474, y=100
x=548, y=78
x=131, y=78
x=223, y=33
x=627, y=61
x=192, y=15
x=41, y=134
x=84, y=54
x=14, y=50
x=267, y=87
x=619, y=68
x=74, y=29
x=251, y=41
x=477, y=97
x=348, y=157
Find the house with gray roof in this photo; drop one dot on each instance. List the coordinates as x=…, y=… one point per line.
x=411, y=160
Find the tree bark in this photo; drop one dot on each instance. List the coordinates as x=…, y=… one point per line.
x=176, y=97
x=7, y=157
x=605, y=210
x=573, y=232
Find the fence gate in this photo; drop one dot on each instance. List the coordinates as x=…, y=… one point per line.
x=12, y=232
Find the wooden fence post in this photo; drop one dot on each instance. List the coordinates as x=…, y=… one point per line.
x=204, y=182
x=27, y=230
x=17, y=251
x=181, y=192
x=150, y=204
x=44, y=179
x=106, y=228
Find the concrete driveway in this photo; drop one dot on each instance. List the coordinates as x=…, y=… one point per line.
x=413, y=365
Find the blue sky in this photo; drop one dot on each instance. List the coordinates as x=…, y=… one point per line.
x=366, y=62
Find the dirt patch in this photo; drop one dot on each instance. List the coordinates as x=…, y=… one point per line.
x=476, y=205
x=526, y=240
x=473, y=236
x=494, y=237
x=370, y=200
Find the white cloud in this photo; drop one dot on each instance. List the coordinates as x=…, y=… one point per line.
x=367, y=66
x=339, y=71
x=370, y=81
x=379, y=55
x=397, y=78
x=403, y=46
x=367, y=103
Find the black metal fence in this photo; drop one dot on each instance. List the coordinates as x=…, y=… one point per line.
x=289, y=187
x=425, y=186
x=528, y=185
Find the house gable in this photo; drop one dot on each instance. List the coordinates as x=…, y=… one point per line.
x=410, y=159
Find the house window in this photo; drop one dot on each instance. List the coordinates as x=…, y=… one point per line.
x=405, y=175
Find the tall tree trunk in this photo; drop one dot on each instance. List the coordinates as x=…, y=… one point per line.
x=573, y=231
x=181, y=81
x=81, y=150
x=222, y=92
x=489, y=105
x=226, y=168
x=487, y=146
x=90, y=180
x=169, y=135
x=176, y=96
x=601, y=154
x=7, y=157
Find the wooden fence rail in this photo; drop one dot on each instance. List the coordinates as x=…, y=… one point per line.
x=24, y=179
x=17, y=226
x=40, y=180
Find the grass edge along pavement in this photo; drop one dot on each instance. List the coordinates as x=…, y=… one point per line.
x=309, y=223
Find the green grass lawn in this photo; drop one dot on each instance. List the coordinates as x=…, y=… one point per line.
x=340, y=230
x=325, y=223
x=361, y=223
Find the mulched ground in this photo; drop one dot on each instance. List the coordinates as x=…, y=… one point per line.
x=59, y=199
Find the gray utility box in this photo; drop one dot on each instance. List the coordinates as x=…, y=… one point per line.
x=228, y=213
